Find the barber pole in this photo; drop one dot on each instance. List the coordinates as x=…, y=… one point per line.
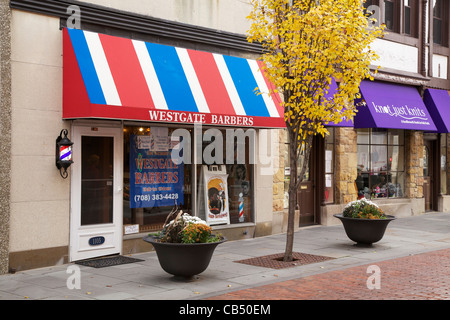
x=65, y=153
x=241, y=208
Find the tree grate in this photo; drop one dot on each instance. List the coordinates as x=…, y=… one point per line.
x=275, y=261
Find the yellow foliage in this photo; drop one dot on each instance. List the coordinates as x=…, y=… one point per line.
x=306, y=44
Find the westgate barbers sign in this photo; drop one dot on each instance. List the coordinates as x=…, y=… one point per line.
x=204, y=118
x=127, y=79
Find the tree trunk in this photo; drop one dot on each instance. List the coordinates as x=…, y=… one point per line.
x=294, y=183
x=292, y=203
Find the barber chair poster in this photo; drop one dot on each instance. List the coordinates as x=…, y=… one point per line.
x=216, y=193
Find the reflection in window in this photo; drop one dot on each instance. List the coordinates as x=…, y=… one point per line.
x=152, y=182
x=287, y=176
x=97, y=156
x=440, y=22
x=378, y=158
x=407, y=21
x=389, y=14
x=443, y=163
x=329, y=166
x=240, y=178
x=380, y=163
x=437, y=21
x=411, y=17
x=426, y=157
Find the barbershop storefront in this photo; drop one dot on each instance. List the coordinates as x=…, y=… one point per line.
x=156, y=126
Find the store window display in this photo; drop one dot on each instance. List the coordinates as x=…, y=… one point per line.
x=237, y=172
x=154, y=180
x=153, y=183
x=380, y=163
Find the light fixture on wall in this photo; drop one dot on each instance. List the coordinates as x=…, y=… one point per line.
x=63, y=153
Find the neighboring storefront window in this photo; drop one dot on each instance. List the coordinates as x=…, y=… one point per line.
x=443, y=163
x=329, y=166
x=380, y=163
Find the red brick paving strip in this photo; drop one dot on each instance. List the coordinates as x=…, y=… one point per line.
x=419, y=277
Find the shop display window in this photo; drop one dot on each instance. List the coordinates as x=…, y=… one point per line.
x=380, y=163
x=153, y=184
x=223, y=182
x=154, y=181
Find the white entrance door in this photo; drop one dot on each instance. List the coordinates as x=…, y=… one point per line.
x=96, y=192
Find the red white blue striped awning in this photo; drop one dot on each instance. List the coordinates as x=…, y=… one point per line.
x=118, y=78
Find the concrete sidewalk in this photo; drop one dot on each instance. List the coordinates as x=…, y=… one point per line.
x=147, y=281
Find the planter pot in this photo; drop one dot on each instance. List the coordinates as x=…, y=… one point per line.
x=364, y=231
x=183, y=259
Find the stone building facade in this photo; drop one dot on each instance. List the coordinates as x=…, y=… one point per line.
x=345, y=146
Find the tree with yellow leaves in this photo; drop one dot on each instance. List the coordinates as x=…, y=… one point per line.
x=306, y=44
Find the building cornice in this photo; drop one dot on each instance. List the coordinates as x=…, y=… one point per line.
x=136, y=23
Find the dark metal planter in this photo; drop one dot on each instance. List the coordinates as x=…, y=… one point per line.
x=183, y=259
x=364, y=231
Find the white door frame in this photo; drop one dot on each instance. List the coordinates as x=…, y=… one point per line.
x=79, y=247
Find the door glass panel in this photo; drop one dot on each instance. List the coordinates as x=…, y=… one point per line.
x=97, y=180
x=301, y=159
x=426, y=154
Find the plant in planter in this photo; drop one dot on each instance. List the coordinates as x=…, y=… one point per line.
x=364, y=222
x=185, y=245
x=363, y=209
